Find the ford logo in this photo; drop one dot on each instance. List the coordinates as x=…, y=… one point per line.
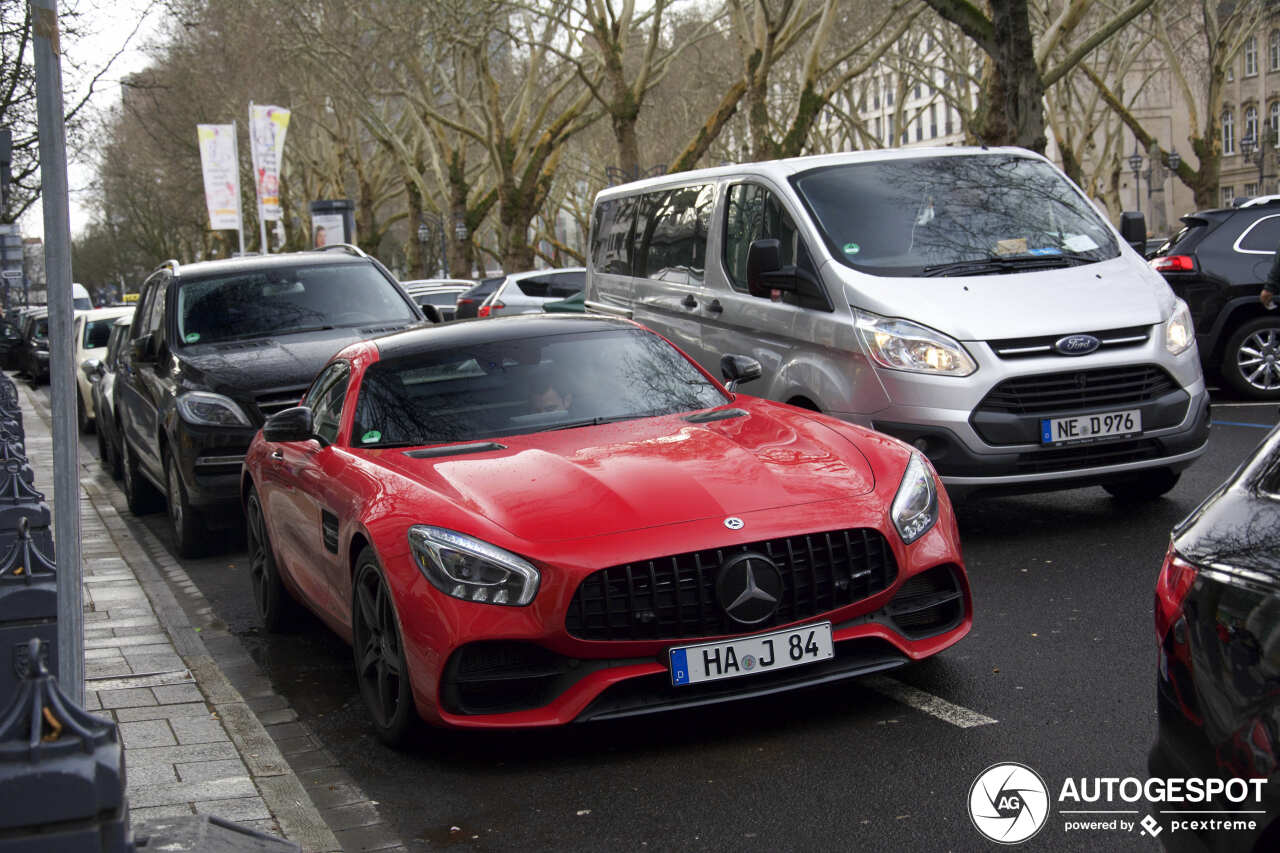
x=1076, y=345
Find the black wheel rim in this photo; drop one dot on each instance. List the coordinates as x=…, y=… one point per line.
x=379, y=657
x=175, y=502
x=259, y=571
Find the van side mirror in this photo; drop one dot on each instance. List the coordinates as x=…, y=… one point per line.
x=292, y=424
x=1133, y=228
x=141, y=349
x=737, y=369
x=765, y=272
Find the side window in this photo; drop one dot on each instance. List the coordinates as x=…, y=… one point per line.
x=611, y=245
x=1262, y=236
x=675, y=245
x=327, y=408
x=754, y=213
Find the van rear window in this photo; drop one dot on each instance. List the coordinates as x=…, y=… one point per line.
x=660, y=234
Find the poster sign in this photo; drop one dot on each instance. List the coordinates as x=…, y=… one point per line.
x=221, y=169
x=327, y=229
x=267, y=127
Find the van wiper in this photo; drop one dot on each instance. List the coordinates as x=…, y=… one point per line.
x=982, y=266
x=1008, y=264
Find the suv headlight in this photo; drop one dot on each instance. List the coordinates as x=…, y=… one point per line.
x=903, y=345
x=915, y=506
x=471, y=569
x=1178, y=331
x=206, y=409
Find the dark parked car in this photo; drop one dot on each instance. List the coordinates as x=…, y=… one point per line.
x=10, y=345
x=218, y=346
x=106, y=413
x=1217, y=263
x=469, y=303
x=437, y=297
x=1217, y=614
x=33, y=349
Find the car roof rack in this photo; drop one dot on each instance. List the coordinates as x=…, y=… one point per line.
x=346, y=247
x=172, y=263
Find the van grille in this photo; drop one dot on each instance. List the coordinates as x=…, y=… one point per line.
x=675, y=597
x=1050, y=393
x=1088, y=456
x=1043, y=344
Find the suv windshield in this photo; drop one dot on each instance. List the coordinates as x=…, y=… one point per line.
x=953, y=215
x=283, y=300
x=524, y=386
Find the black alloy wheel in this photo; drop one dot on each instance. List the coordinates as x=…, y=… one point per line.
x=276, y=608
x=188, y=527
x=138, y=493
x=381, y=670
x=1251, y=358
x=1143, y=485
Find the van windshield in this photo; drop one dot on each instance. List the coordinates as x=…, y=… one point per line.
x=956, y=215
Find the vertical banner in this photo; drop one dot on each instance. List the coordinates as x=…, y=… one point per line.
x=267, y=127
x=221, y=174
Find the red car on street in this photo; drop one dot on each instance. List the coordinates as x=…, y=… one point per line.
x=557, y=518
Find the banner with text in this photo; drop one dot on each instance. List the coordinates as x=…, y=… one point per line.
x=267, y=127
x=221, y=169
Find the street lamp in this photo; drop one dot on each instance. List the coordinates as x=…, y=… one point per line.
x=1254, y=150
x=1135, y=163
x=424, y=234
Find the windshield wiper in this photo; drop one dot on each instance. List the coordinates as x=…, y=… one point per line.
x=980, y=266
x=300, y=329
x=597, y=421
x=1007, y=264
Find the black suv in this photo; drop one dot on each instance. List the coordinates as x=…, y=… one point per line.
x=215, y=348
x=1217, y=263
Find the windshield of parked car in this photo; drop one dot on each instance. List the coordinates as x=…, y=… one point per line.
x=525, y=386
x=977, y=215
x=287, y=299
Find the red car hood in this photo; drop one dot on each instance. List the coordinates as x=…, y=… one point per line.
x=630, y=475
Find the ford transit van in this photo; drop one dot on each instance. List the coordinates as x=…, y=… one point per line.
x=971, y=302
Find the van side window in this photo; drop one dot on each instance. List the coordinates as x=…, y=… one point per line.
x=755, y=214
x=659, y=235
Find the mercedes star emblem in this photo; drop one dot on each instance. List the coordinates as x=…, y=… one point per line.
x=734, y=523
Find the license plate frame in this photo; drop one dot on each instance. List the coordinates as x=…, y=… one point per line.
x=1086, y=429
x=749, y=654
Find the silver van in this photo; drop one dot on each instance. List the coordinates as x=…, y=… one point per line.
x=971, y=302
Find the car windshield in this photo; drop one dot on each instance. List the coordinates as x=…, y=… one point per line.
x=293, y=299
x=970, y=215
x=525, y=386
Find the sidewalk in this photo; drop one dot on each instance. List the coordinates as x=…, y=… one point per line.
x=192, y=743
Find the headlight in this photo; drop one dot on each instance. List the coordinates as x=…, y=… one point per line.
x=471, y=569
x=205, y=409
x=1178, y=332
x=903, y=345
x=915, y=506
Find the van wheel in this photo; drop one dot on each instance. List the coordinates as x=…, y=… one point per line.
x=1143, y=486
x=188, y=527
x=140, y=495
x=1251, y=359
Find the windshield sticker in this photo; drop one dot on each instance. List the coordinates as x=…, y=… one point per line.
x=1047, y=250
x=1014, y=246
x=1079, y=243
x=192, y=337
x=852, y=248
x=370, y=437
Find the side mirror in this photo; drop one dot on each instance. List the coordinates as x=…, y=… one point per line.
x=141, y=349
x=763, y=256
x=1133, y=228
x=289, y=425
x=431, y=313
x=737, y=369
x=92, y=369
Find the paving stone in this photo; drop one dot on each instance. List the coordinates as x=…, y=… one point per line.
x=163, y=712
x=281, y=715
x=154, y=663
x=351, y=816
x=147, y=733
x=156, y=642
x=331, y=796
x=240, y=809
x=311, y=759
x=192, y=792
x=91, y=702
x=103, y=655
x=266, y=827
x=96, y=633
x=368, y=838
x=174, y=693
x=189, y=753
x=197, y=771
x=286, y=730
x=98, y=668
x=127, y=698
x=293, y=745
x=137, y=815
x=198, y=729
x=149, y=774
x=260, y=704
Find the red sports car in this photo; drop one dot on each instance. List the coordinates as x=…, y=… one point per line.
x=552, y=518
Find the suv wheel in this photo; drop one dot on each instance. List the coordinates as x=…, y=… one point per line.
x=1143, y=486
x=138, y=493
x=1251, y=360
x=188, y=529
x=82, y=416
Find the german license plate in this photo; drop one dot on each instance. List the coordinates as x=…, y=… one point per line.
x=1089, y=427
x=751, y=655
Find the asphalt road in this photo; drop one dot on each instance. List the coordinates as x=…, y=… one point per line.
x=1062, y=656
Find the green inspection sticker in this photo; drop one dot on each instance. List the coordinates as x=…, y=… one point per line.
x=370, y=437
x=852, y=248
x=192, y=337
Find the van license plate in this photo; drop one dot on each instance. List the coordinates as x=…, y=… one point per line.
x=751, y=655
x=1090, y=427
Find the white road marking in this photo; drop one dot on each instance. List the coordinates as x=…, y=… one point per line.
x=1261, y=405
x=927, y=702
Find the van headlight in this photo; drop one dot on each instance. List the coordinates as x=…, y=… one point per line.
x=472, y=569
x=903, y=345
x=915, y=506
x=1178, y=331
x=206, y=409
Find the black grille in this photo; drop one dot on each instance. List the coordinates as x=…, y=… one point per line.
x=1074, y=390
x=927, y=604
x=1041, y=345
x=1088, y=456
x=279, y=399
x=674, y=597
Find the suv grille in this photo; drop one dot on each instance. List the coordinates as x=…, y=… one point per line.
x=1043, y=344
x=675, y=597
x=1074, y=390
x=279, y=399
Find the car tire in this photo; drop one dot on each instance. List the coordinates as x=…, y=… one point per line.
x=276, y=608
x=185, y=521
x=82, y=415
x=139, y=494
x=378, y=653
x=1251, y=359
x=1143, y=486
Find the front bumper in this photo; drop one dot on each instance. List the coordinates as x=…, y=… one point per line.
x=209, y=461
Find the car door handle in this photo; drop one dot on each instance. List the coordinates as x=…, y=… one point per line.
x=715, y=307
x=689, y=301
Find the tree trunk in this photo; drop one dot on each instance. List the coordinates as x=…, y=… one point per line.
x=1011, y=105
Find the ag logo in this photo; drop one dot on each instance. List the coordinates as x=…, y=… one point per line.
x=1008, y=803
